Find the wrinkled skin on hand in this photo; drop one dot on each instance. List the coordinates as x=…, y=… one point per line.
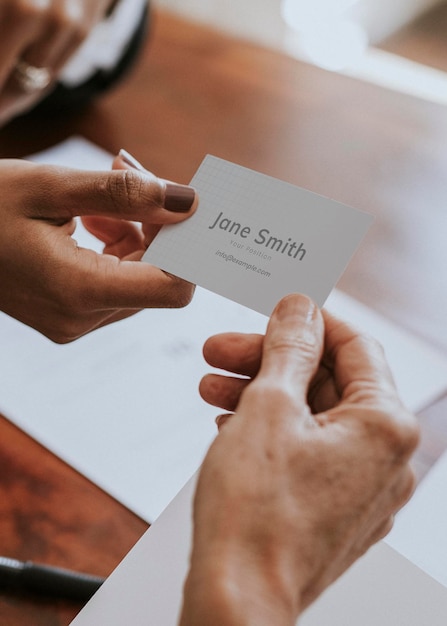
x=44, y=33
x=305, y=475
x=65, y=291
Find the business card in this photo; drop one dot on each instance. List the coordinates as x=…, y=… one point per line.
x=254, y=238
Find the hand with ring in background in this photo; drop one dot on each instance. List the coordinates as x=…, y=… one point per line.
x=37, y=39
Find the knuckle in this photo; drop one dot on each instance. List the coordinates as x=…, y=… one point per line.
x=79, y=32
x=409, y=485
x=399, y=430
x=123, y=188
x=132, y=185
x=402, y=489
x=304, y=347
x=134, y=192
x=413, y=434
x=267, y=391
x=406, y=435
x=384, y=529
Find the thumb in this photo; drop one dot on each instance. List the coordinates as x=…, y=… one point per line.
x=130, y=194
x=293, y=344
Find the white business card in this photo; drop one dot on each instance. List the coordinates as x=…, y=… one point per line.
x=254, y=238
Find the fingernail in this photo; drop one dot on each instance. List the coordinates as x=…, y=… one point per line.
x=130, y=160
x=223, y=419
x=179, y=198
x=297, y=306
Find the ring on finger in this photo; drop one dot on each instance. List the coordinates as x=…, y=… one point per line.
x=32, y=78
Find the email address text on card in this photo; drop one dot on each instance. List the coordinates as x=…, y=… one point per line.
x=247, y=266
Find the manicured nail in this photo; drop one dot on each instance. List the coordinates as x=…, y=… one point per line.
x=179, y=198
x=297, y=306
x=130, y=160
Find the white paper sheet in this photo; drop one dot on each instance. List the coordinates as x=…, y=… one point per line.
x=420, y=531
x=121, y=405
x=381, y=589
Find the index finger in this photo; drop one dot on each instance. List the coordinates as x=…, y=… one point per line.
x=17, y=32
x=358, y=362
x=104, y=282
x=239, y=353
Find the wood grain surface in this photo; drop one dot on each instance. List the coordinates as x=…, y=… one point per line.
x=193, y=92
x=51, y=514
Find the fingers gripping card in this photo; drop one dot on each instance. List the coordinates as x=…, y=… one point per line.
x=254, y=239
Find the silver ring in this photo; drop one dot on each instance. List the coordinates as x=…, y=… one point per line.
x=32, y=78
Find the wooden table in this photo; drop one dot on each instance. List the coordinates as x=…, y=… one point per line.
x=194, y=92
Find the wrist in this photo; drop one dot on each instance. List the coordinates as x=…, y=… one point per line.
x=226, y=591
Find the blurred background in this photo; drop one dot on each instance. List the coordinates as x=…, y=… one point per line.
x=400, y=44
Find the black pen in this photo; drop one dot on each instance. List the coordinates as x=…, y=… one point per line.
x=48, y=580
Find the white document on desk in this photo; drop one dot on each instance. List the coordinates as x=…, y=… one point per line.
x=381, y=589
x=420, y=531
x=121, y=405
